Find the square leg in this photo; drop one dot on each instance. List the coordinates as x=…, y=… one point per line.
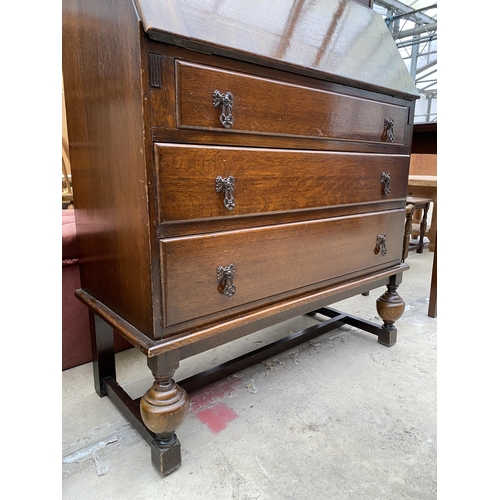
x=103, y=352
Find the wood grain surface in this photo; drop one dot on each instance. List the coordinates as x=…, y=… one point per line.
x=340, y=40
x=272, y=107
x=269, y=180
x=270, y=261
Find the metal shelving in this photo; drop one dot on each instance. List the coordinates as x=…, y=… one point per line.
x=413, y=24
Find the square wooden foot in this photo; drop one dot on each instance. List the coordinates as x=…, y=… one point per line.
x=387, y=337
x=166, y=458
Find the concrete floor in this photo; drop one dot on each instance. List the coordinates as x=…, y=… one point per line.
x=340, y=417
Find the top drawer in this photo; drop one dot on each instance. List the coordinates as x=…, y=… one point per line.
x=263, y=106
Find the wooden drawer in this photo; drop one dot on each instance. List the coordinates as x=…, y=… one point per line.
x=268, y=180
x=271, y=261
x=270, y=107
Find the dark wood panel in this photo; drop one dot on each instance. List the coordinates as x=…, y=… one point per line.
x=267, y=180
x=270, y=261
x=263, y=106
x=105, y=129
x=424, y=138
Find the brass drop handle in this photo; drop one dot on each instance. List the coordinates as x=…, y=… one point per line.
x=225, y=103
x=225, y=276
x=385, y=180
x=380, y=245
x=226, y=185
x=389, y=129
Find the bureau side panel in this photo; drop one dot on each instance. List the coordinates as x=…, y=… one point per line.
x=102, y=74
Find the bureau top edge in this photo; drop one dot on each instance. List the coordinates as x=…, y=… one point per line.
x=336, y=40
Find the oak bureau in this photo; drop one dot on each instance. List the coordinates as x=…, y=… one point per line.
x=235, y=163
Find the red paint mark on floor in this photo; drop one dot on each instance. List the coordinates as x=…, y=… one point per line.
x=216, y=417
x=207, y=406
x=212, y=393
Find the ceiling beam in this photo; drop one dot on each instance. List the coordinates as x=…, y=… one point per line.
x=427, y=66
x=423, y=9
x=401, y=8
x=416, y=31
x=417, y=41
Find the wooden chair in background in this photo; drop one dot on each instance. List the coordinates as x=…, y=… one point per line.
x=419, y=225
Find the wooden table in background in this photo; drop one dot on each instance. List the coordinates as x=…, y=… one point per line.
x=426, y=186
x=425, y=142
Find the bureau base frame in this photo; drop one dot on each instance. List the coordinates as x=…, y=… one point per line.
x=162, y=409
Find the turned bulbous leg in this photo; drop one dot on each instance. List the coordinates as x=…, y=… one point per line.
x=163, y=409
x=390, y=307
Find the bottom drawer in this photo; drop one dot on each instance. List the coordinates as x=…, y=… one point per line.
x=207, y=274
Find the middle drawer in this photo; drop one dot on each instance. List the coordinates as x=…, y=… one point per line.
x=199, y=182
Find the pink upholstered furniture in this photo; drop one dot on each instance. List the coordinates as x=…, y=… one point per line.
x=76, y=347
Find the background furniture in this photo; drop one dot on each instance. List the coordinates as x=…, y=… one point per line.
x=76, y=348
x=432, y=310
x=231, y=169
x=425, y=187
x=410, y=209
x=76, y=342
x=423, y=171
x=424, y=141
x=423, y=182
x=422, y=204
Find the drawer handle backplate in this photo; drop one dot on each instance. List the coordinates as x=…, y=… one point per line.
x=225, y=103
x=380, y=245
x=225, y=276
x=226, y=185
x=389, y=130
x=385, y=180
